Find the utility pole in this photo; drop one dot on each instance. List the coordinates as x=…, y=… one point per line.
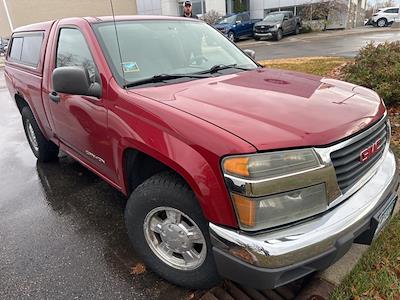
x=8, y=15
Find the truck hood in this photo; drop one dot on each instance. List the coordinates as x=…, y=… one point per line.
x=222, y=26
x=267, y=23
x=273, y=109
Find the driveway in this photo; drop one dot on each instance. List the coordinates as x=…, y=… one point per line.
x=62, y=232
x=339, y=43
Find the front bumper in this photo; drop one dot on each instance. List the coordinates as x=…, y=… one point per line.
x=265, y=34
x=274, y=258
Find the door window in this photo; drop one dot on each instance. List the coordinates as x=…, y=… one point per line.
x=73, y=50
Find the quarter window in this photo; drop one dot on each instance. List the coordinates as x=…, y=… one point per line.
x=16, y=48
x=31, y=49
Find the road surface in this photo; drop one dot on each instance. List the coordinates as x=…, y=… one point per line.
x=319, y=45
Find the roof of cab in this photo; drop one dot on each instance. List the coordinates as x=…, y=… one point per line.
x=134, y=17
x=48, y=24
x=36, y=26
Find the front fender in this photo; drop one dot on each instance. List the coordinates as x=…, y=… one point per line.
x=190, y=146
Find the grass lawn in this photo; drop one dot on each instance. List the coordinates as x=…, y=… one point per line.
x=377, y=274
x=314, y=65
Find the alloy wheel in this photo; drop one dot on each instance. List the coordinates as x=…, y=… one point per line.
x=175, y=238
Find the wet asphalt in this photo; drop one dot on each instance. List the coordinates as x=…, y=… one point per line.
x=62, y=232
x=303, y=45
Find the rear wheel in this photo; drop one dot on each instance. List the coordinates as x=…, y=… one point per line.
x=297, y=30
x=43, y=149
x=231, y=36
x=168, y=230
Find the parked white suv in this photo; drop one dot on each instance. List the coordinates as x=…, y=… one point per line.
x=385, y=16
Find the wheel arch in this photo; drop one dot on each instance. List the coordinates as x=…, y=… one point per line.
x=139, y=164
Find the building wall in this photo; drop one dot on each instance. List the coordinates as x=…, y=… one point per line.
x=149, y=7
x=218, y=5
x=23, y=12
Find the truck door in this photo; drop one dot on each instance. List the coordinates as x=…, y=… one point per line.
x=286, y=27
x=239, y=26
x=80, y=121
x=247, y=25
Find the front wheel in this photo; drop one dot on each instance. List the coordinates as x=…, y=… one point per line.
x=279, y=35
x=297, y=30
x=168, y=230
x=381, y=22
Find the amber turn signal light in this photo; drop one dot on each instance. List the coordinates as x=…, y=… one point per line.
x=245, y=209
x=237, y=165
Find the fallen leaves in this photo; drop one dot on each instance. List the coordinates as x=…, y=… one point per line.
x=138, y=269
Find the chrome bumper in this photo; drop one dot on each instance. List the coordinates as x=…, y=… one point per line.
x=305, y=241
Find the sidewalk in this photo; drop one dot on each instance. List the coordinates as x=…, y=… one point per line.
x=317, y=35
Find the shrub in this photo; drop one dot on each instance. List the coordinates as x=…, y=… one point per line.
x=377, y=67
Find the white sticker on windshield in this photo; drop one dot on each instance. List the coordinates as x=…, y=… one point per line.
x=129, y=67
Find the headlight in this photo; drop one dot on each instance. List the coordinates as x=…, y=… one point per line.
x=284, y=208
x=271, y=164
x=291, y=194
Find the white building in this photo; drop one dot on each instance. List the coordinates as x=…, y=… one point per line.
x=175, y=8
x=353, y=13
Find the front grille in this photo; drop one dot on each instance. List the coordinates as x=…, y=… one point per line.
x=262, y=28
x=347, y=160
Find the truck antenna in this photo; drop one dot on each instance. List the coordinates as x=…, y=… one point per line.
x=118, y=44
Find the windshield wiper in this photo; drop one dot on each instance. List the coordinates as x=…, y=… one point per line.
x=160, y=78
x=220, y=67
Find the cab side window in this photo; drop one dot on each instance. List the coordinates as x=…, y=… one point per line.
x=72, y=50
x=25, y=48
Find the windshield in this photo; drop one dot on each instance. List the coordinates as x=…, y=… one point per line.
x=152, y=47
x=274, y=18
x=227, y=20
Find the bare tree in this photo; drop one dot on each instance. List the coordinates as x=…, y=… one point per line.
x=211, y=17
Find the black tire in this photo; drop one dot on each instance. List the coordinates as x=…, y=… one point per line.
x=45, y=150
x=297, y=30
x=231, y=36
x=257, y=38
x=279, y=35
x=382, y=22
x=169, y=190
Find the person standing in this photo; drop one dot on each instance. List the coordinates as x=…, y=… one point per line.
x=187, y=10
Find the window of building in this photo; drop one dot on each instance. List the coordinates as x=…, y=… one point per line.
x=196, y=7
x=288, y=8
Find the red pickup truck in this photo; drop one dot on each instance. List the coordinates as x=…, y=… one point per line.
x=232, y=170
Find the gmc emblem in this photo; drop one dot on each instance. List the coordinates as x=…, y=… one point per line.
x=366, y=154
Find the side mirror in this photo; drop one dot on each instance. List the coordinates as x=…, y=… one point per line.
x=250, y=53
x=75, y=81
x=285, y=18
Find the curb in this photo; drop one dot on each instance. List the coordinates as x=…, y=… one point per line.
x=319, y=35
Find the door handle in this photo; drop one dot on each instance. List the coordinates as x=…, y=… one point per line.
x=54, y=97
